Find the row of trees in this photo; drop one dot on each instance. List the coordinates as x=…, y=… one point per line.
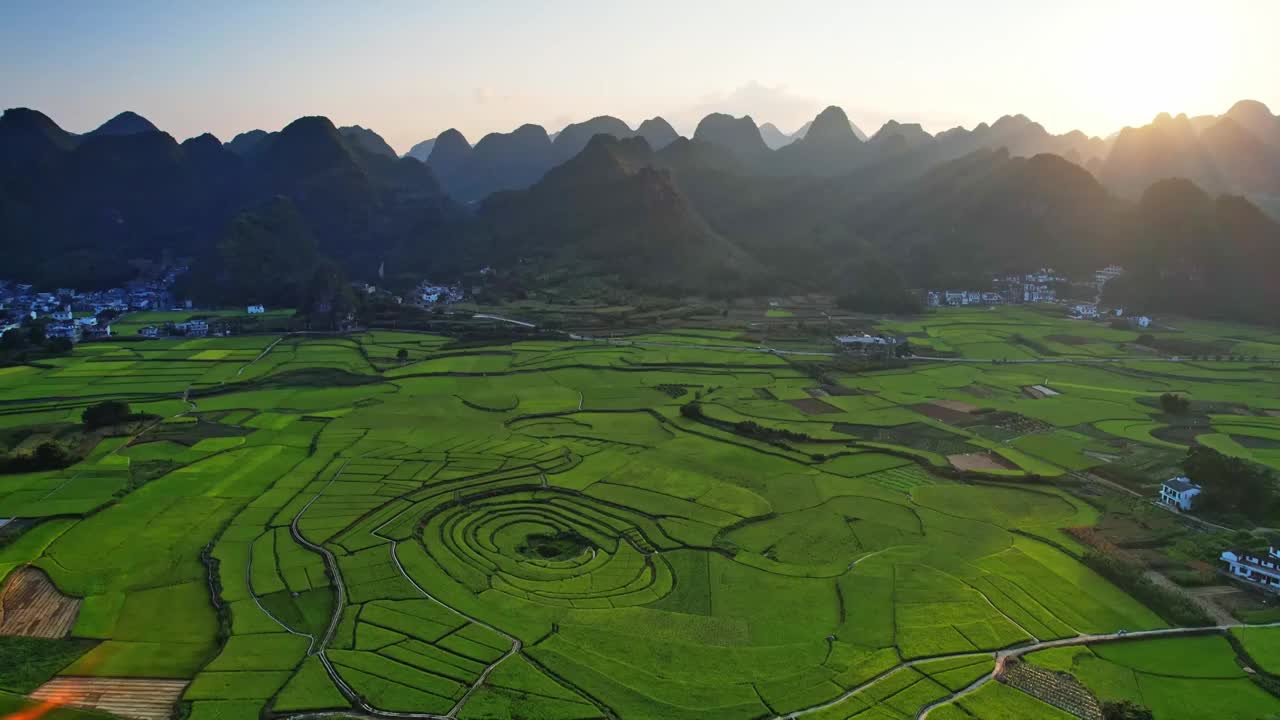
x=55, y=455
x=1231, y=485
x=30, y=341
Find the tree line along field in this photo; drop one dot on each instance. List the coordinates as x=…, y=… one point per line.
x=394, y=522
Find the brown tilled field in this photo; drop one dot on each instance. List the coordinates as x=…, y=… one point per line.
x=31, y=606
x=945, y=413
x=143, y=698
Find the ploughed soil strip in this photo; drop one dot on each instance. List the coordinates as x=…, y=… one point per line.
x=32, y=607
x=952, y=413
x=979, y=462
x=142, y=698
x=813, y=406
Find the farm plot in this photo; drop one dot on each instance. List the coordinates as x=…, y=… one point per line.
x=535, y=529
x=144, y=699
x=31, y=606
x=1179, y=678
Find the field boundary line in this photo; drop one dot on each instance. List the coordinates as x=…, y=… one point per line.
x=248, y=578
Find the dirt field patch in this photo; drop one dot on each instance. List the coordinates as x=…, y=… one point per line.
x=980, y=462
x=144, y=698
x=958, y=406
x=31, y=606
x=813, y=406
x=952, y=412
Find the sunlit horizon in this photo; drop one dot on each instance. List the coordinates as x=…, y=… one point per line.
x=411, y=70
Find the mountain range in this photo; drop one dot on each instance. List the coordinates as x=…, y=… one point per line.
x=734, y=209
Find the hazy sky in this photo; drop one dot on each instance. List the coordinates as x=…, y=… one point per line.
x=412, y=69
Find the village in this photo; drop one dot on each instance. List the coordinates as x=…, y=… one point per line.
x=1041, y=286
x=75, y=314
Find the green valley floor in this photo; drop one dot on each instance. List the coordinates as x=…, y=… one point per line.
x=401, y=525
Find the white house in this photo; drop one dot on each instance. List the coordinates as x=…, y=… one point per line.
x=1087, y=311
x=70, y=331
x=63, y=315
x=866, y=344
x=1178, y=493
x=1142, y=321
x=862, y=340
x=1263, y=571
x=193, y=328
x=255, y=309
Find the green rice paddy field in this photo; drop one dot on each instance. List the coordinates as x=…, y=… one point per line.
x=535, y=530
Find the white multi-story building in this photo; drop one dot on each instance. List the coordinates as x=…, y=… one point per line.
x=1178, y=493
x=192, y=328
x=1033, y=292
x=1260, y=570
x=1106, y=275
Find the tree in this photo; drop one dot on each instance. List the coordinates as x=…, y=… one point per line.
x=402, y=355
x=1174, y=404
x=106, y=413
x=1125, y=710
x=60, y=345
x=1230, y=484
x=50, y=455
x=691, y=410
x=14, y=339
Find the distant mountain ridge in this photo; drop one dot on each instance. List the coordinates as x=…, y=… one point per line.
x=516, y=160
x=719, y=214
x=1237, y=152
x=126, y=123
x=79, y=209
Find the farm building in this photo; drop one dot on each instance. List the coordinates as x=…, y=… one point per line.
x=863, y=344
x=1178, y=493
x=255, y=309
x=192, y=328
x=1263, y=571
x=70, y=331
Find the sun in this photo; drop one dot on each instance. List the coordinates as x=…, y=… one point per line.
x=1149, y=58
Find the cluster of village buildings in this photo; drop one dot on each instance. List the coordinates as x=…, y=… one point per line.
x=1035, y=287
x=78, y=315
x=1261, y=570
x=429, y=293
x=75, y=314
